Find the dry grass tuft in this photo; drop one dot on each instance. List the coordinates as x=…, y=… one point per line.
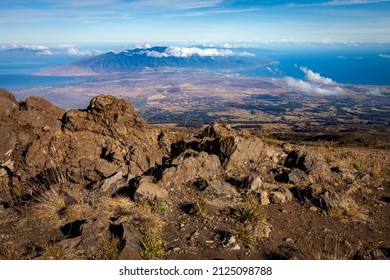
x=10, y=251
x=76, y=212
x=333, y=251
x=119, y=205
x=56, y=252
x=144, y=216
x=109, y=247
x=48, y=206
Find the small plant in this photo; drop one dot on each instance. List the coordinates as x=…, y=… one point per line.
x=245, y=235
x=307, y=201
x=250, y=212
x=158, y=205
x=199, y=210
x=109, y=247
x=151, y=246
x=200, y=184
x=343, y=213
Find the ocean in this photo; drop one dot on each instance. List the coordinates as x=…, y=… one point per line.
x=366, y=65
x=352, y=65
x=12, y=81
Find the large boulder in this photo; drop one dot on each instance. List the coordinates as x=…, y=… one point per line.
x=235, y=151
x=190, y=166
x=109, y=116
x=132, y=141
x=217, y=130
x=314, y=166
x=8, y=103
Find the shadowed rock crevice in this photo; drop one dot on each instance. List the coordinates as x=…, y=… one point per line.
x=73, y=229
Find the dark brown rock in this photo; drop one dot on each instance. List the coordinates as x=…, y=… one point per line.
x=7, y=143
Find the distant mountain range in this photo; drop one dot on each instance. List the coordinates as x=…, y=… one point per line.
x=156, y=57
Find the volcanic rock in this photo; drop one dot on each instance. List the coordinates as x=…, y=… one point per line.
x=148, y=190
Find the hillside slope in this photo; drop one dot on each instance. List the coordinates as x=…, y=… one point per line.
x=101, y=183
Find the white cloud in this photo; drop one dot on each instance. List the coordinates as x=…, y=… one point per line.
x=314, y=83
x=374, y=91
x=154, y=54
x=384, y=56
x=45, y=50
x=35, y=47
x=315, y=77
x=187, y=52
x=77, y=52
x=184, y=52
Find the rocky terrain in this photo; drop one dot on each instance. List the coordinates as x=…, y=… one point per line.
x=100, y=183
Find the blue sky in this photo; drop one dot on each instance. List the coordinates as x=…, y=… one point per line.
x=83, y=21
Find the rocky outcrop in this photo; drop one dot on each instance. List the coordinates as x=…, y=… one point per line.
x=108, y=160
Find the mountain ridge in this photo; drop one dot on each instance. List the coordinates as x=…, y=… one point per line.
x=156, y=57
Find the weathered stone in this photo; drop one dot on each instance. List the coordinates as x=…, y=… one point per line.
x=281, y=195
x=255, y=183
x=264, y=198
x=302, y=160
x=148, y=190
x=332, y=199
x=261, y=230
x=7, y=106
x=217, y=130
x=93, y=233
x=315, y=166
x=221, y=188
x=297, y=176
x=240, y=151
x=69, y=243
x=107, y=115
x=7, y=143
x=132, y=239
x=105, y=168
x=110, y=185
x=200, y=165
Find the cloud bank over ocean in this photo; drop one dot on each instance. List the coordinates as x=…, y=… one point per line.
x=313, y=83
x=50, y=51
x=184, y=52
